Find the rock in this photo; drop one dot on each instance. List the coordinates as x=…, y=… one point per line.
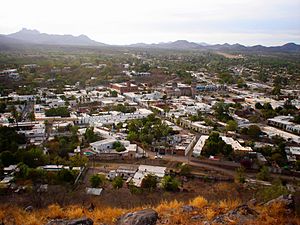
x=239, y=215
x=188, y=208
x=287, y=201
x=142, y=217
x=29, y=209
x=197, y=217
x=81, y=221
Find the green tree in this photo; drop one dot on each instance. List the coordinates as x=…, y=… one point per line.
x=263, y=174
x=170, y=183
x=232, y=125
x=240, y=175
x=78, y=160
x=96, y=181
x=65, y=175
x=254, y=131
x=7, y=158
x=117, y=182
x=118, y=146
x=185, y=170
x=150, y=181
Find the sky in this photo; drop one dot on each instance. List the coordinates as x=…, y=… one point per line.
x=248, y=22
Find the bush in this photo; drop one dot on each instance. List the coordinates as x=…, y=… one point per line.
x=117, y=182
x=185, y=170
x=96, y=180
x=170, y=183
x=240, y=175
x=150, y=181
x=264, y=174
x=60, y=111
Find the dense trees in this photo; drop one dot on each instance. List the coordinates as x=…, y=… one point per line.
x=222, y=111
x=214, y=145
x=90, y=136
x=117, y=182
x=170, y=183
x=10, y=139
x=60, y=111
x=147, y=130
x=150, y=181
x=118, y=146
x=96, y=180
x=231, y=125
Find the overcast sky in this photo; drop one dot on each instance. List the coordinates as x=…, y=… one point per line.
x=249, y=22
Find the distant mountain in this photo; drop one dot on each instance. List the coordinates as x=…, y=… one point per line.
x=179, y=44
x=35, y=37
x=186, y=45
x=26, y=37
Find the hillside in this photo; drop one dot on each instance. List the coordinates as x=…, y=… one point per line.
x=35, y=37
x=196, y=211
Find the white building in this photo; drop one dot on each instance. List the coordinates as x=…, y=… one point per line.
x=144, y=170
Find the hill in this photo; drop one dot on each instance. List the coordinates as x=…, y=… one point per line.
x=35, y=37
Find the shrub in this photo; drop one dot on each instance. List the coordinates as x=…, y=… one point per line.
x=170, y=183
x=264, y=174
x=117, y=182
x=150, y=181
x=96, y=180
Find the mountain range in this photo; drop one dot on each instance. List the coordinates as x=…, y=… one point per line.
x=33, y=37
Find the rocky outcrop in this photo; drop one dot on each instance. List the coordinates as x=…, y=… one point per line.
x=287, y=201
x=81, y=221
x=239, y=215
x=142, y=217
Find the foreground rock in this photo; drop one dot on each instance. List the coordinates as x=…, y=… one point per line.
x=142, y=217
x=239, y=215
x=81, y=221
x=286, y=201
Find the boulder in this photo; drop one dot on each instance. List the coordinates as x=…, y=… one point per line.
x=239, y=215
x=80, y=221
x=29, y=209
x=142, y=217
x=188, y=208
x=287, y=201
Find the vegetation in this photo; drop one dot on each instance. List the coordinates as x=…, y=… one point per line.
x=118, y=146
x=150, y=182
x=60, y=111
x=263, y=174
x=170, y=210
x=10, y=140
x=147, y=130
x=214, y=145
x=118, y=182
x=97, y=180
x=170, y=183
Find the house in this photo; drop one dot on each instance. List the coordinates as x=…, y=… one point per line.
x=123, y=171
x=10, y=170
x=293, y=153
x=103, y=146
x=228, y=140
x=124, y=87
x=144, y=170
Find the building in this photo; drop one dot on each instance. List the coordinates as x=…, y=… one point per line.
x=284, y=123
x=196, y=126
x=236, y=146
x=124, y=87
x=144, y=170
x=103, y=146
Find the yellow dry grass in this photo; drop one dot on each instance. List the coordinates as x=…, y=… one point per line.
x=171, y=212
x=198, y=202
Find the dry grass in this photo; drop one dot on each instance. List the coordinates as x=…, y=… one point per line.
x=198, y=202
x=169, y=212
x=229, y=204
